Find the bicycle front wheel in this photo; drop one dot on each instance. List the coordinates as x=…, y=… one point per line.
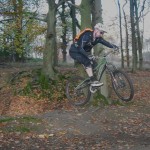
x=77, y=91
x=122, y=85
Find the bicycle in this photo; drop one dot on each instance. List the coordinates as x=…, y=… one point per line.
x=79, y=90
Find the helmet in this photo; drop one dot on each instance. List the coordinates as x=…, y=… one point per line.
x=100, y=27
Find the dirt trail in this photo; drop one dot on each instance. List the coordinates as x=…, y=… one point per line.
x=112, y=127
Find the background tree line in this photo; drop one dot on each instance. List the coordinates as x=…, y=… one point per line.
x=18, y=28
x=21, y=22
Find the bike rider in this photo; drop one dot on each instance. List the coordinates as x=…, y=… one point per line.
x=80, y=50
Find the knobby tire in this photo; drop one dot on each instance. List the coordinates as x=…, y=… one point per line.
x=123, y=86
x=77, y=97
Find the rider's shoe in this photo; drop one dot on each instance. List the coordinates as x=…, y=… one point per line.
x=96, y=83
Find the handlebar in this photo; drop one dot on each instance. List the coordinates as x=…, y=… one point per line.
x=112, y=51
x=104, y=55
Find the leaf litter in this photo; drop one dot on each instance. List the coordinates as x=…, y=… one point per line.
x=111, y=127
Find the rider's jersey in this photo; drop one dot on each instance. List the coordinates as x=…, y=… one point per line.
x=86, y=43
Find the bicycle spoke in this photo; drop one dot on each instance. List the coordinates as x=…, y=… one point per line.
x=123, y=86
x=76, y=93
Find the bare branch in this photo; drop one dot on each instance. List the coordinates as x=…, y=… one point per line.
x=146, y=13
x=40, y=19
x=76, y=6
x=142, y=9
x=77, y=23
x=1, y=21
x=61, y=2
x=124, y=4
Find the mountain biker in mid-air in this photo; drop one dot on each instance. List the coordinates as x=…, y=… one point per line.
x=83, y=44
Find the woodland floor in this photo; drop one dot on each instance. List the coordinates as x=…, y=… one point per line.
x=30, y=124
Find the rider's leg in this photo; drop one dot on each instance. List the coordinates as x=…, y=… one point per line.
x=87, y=65
x=94, y=82
x=89, y=71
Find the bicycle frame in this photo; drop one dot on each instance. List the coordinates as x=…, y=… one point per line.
x=104, y=65
x=82, y=84
x=99, y=70
x=100, y=67
x=81, y=88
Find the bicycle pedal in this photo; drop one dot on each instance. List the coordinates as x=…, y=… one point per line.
x=97, y=85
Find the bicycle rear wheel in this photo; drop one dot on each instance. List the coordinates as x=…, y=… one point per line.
x=122, y=85
x=78, y=95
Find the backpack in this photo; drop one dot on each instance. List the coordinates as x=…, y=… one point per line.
x=81, y=33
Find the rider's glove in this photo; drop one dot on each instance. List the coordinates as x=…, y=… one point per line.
x=116, y=48
x=93, y=61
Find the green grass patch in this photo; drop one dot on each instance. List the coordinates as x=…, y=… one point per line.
x=100, y=99
x=22, y=119
x=15, y=128
x=6, y=120
x=41, y=86
x=30, y=119
x=21, y=129
x=20, y=124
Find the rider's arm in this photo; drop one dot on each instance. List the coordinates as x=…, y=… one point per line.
x=106, y=43
x=83, y=52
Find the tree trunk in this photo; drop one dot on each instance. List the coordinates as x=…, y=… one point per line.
x=18, y=44
x=139, y=41
x=134, y=51
x=49, y=51
x=120, y=26
x=97, y=18
x=127, y=41
x=85, y=9
x=73, y=16
x=97, y=12
x=64, y=33
x=127, y=37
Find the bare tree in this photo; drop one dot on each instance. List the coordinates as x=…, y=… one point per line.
x=120, y=26
x=50, y=52
x=139, y=41
x=74, y=20
x=64, y=31
x=127, y=36
x=15, y=20
x=85, y=10
x=134, y=50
